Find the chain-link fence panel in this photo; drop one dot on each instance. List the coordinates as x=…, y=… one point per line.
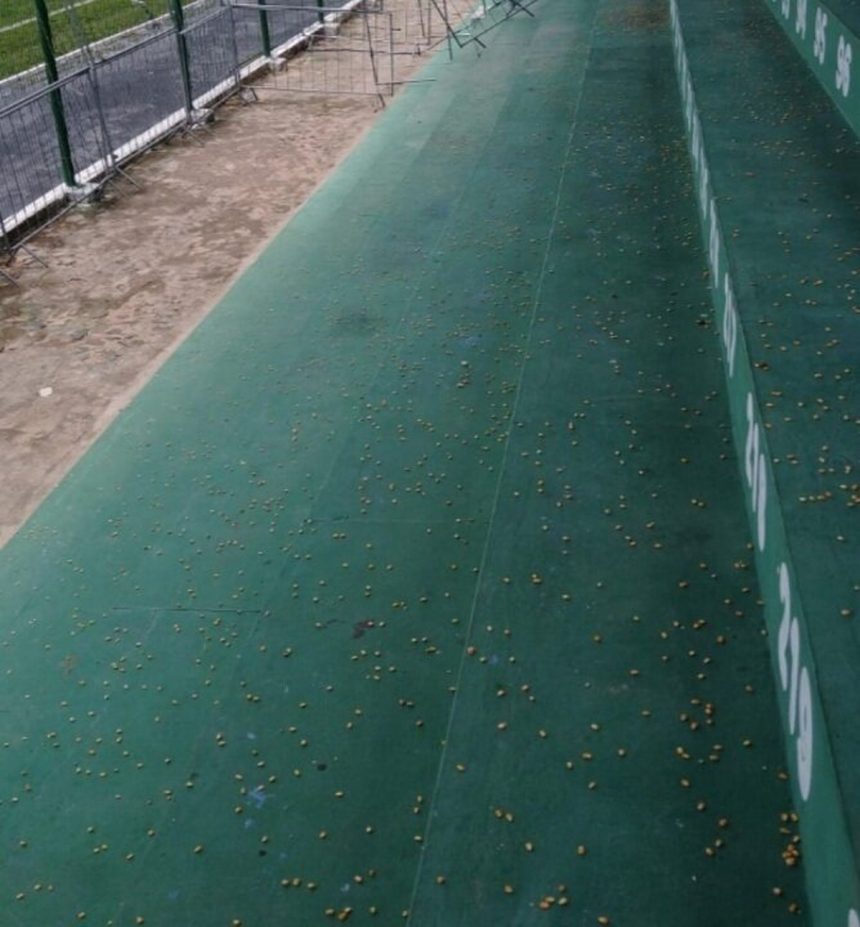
x=88, y=141
x=81, y=31
x=343, y=51
x=212, y=55
x=141, y=93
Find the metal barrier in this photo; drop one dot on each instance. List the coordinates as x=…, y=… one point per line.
x=344, y=52
x=468, y=21
x=141, y=94
x=356, y=49
x=112, y=99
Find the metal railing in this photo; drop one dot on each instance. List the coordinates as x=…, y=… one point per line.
x=68, y=126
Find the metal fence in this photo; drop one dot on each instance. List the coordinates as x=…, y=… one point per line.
x=66, y=127
x=60, y=140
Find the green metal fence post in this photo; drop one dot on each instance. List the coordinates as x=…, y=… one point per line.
x=321, y=14
x=178, y=18
x=46, y=40
x=264, y=29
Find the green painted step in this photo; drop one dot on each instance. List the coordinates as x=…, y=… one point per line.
x=416, y=587
x=777, y=177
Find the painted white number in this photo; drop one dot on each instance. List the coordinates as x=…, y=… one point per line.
x=844, y=56
x=730, y=325
x=794, y=677
x=756, y=472
x=800, y=21
x=853, y=918
x=819, y=48
x=786, y=8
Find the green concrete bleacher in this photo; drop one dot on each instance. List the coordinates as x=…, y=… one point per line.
x=778, y=176
x=417, y=587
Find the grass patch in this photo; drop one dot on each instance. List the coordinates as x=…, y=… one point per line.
x=92, y=21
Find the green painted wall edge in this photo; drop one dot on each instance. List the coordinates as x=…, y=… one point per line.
x=830, y=49
x=829, y=857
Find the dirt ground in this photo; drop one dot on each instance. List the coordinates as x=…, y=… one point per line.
x=127, y=279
